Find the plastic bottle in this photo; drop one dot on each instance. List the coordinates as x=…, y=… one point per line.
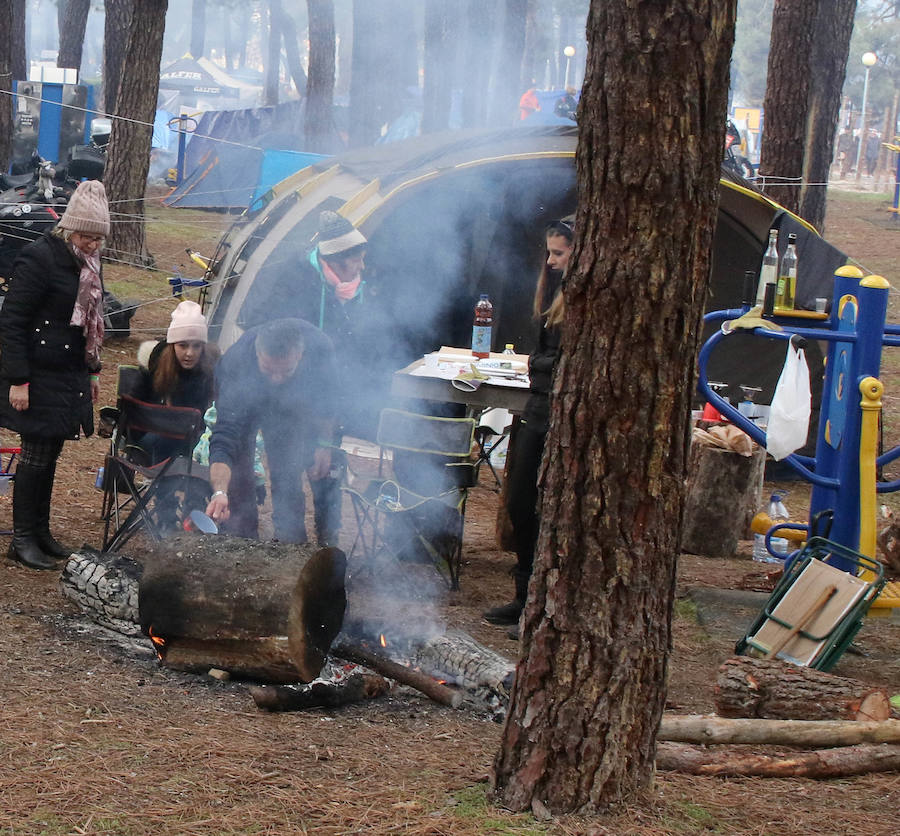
x=481, y=328
x=787, y=277
x=777, y=514
x=509, y=349
x=768, y=273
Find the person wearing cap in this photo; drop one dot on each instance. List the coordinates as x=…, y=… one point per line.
x=51, y=332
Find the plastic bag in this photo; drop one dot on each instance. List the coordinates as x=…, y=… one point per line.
x=790, y=410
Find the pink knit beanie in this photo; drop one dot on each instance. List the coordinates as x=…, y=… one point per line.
x=88, y=211
x=188, y=323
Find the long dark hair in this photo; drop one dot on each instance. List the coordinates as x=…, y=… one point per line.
x=548, y=298
x=168, y=370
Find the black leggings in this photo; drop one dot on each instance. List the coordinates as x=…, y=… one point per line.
x=522, y=494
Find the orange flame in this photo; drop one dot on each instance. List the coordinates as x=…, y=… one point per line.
x=383, y=640
x=159, y=643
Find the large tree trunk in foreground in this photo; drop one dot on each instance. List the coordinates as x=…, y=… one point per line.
x=829, y=763
x=230, y=595
x=812, y=734
x=128, y=158
x=787, y=87
x=71, y=34
x=828, y=66
x=748, y=687
x=6, y=109
x=115, y=39
x=590, y=687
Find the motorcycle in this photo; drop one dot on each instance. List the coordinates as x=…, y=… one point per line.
x=734, y=161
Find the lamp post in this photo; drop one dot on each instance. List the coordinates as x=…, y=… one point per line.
x=569, y=51
x=869, y=59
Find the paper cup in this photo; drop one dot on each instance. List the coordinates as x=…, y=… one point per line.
x=821, y=302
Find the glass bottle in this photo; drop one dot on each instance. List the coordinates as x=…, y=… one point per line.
x=481, y=328
x=768, y=273
x=785, y=296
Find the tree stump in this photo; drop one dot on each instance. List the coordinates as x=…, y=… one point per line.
x=231, y=603
x=724, y=491
x=776, y=690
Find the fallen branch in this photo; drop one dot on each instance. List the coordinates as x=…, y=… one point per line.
x=829, y=763
x=401, y=673
x=355, y=688
x=707, y=729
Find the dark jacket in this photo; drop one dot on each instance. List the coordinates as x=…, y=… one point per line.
x=541, y=364
x=39, y=347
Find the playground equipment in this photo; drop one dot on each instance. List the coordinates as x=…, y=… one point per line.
x=843, y=472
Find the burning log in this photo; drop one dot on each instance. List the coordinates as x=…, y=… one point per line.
x=828, y=763
x=456, y=657
x=237, y=601
x=748, y=687
x=401, y=673
x=105, y=587
x=320, y=693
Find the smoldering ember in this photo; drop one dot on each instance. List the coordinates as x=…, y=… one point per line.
x=275, y=615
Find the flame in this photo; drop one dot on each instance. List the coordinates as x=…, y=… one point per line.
x=159, y=643
x=382, y=640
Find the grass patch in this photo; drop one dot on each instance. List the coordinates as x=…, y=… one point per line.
x=696, y=817
x=471, y=804
x=686, y=609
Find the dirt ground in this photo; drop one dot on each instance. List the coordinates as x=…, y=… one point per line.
x=96, y=738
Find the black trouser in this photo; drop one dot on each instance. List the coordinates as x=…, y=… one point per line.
x=522, y=495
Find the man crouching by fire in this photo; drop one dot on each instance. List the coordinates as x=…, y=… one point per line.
x=279, y=378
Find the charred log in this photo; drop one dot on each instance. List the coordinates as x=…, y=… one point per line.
x=266, y=659
x=457, y=658
x=319, y=694
x=104, y=587
x=748, y=687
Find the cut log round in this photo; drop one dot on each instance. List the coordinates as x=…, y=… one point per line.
x=724, y=490
x=747, y=687
x=226, y=589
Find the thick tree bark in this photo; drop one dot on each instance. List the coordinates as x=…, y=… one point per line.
x=440, y=45
x=320, y=129
x=18, y=59
x=506, y=85
x=829, y=763
x=115, y=38
x=787, y=89
x=273, y=56
x=6, y=107
x=828, y=66
x=748, y=687
x=596, y=630
x=198, y=27
x=811, y=734
x=71, y=34
x=128, y=157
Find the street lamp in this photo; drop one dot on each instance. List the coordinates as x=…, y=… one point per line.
x=569, y=51
x=869, y=60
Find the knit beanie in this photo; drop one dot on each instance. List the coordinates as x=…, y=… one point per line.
x=87, y=211
x=188, y=323
x=336, y=234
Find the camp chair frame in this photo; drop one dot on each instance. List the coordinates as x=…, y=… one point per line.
x=443, y=448
x=833, y=640
x=122, y=474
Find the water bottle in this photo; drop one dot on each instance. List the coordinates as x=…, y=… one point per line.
x=777, y=513
x=481, y=328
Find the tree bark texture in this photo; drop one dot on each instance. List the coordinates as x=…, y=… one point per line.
x=198, y=27
x=440, y=43
x=787, y=88
x=506, y=86
x=724, y=491
x=6, y=107
x=320, y=129
x=225, y=589
x=71, y=34
x=115, y=38
x=829, y=763
x=128, y=157
x=596, y=630
x=18, y=59
x=748, y=687
x=828, y=66
x=811, y=734
x=273, y=56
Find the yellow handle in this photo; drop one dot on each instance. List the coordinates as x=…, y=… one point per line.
x=871, y=389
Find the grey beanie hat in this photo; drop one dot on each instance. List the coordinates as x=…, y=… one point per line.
x=87, y=211
x=336, y=234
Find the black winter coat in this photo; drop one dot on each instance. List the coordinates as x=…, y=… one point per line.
x=39, y=347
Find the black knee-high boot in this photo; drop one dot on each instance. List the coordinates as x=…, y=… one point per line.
x=27, y=489
x=49, y=545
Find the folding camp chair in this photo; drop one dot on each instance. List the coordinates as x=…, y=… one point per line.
x=150, y=497
x=491, y=435
x=420, y=511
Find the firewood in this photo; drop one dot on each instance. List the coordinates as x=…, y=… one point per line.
x=810, y=733
x=355, y=688
x=401, y=673
x=828, y=763
x=266, y=659
x=456, y=657
x=748, y=687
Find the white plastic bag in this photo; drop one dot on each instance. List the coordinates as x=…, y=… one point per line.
x=789, y=413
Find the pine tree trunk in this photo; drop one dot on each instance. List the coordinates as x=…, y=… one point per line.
x=828, y=66
x=320, y=130
x=507, y=80
x=438, y=69
x=71, y=34
x=18, y=60
x=596, y=631
x=787, y=89
x=198, y=27
x=115, y=38
x=292, y=52
x=6, y=110
x=476, y=51
x=273, y=56
x=128, y=158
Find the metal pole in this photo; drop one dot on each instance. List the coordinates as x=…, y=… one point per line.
x=182, y=140
x=862, y=130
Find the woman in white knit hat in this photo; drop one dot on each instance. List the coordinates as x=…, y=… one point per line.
x=51, y=331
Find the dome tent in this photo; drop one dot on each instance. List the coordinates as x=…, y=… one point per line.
x=449, y=216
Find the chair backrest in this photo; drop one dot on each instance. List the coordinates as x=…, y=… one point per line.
x=427, y=434
x=129, y=381
x=181, y=423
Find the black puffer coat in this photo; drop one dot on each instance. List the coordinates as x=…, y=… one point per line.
x=39, y=347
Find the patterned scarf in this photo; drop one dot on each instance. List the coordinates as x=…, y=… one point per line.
x=88, y=310
x=343, y=290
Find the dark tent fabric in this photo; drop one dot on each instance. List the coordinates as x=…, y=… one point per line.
x=454, y=215
x=187, y=76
